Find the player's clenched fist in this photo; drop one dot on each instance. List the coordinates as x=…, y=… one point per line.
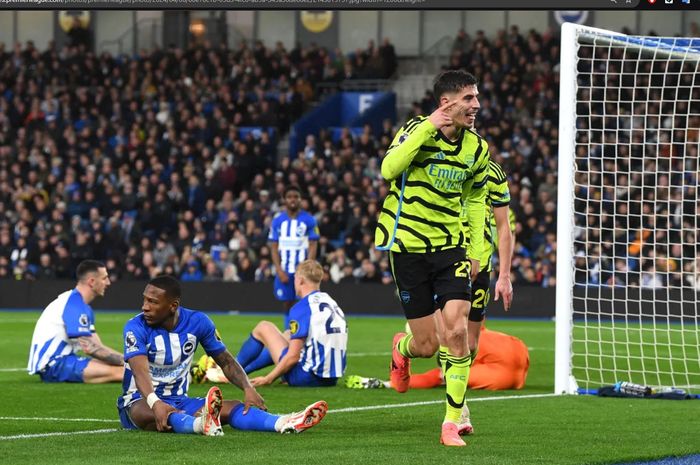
x=440, y=117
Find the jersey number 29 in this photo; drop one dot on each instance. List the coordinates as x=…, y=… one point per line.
x=334, y=313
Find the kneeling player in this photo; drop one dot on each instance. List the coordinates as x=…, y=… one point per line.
x=158, y=347
x=315, y=353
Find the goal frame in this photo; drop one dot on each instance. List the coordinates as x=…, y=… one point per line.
x=564, y=380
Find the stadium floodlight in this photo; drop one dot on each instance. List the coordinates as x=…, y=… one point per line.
x=628, y=272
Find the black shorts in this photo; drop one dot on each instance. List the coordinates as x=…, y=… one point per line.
x=481, y=294
x=427, y=280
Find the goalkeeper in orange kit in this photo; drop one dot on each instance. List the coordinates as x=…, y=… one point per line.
x=501, y=363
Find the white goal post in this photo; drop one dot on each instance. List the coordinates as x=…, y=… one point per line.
x=628, y=248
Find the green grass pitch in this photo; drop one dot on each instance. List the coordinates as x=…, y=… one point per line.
x=39, y=422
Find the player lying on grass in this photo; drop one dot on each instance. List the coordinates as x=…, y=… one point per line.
x=315, y=353
x=159, y=345
x=501, y=363
x=67, y=326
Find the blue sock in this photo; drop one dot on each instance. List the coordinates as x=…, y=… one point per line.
x=254, y=420
x=263, y=360
x=249, y=351
x=181, y=423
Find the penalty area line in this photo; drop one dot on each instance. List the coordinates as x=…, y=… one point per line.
x=433, y=402
x=63, y=433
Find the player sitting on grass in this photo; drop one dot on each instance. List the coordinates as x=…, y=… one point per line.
x=159, y=345
x=315, y=354
x=67, y=326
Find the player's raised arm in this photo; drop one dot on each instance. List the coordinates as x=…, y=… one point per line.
x=237, y=376
x=409, y=139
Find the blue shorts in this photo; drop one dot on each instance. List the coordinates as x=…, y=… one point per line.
x=285, y=292
x=189, y=405
x=66, y=369
x=300, y=378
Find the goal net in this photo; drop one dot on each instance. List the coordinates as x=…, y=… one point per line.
x=628, y=258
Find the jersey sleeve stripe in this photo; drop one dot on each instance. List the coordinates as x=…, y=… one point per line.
x=495, y=194
x=497, y=171
x=411, y=125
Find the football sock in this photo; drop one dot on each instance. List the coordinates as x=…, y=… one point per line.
x=472, y=357
x=404, y=344
x=263, y=360
x=249, y=351
x=182, y=423
x=254, y=420
x=456, y=370
x=427, y=380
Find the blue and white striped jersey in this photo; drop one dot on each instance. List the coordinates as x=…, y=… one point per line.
x=60, y=324
x=169, y=353
x=292, y=236
x=319, y=320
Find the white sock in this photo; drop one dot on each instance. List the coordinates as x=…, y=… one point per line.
x=198, y=425
x=279, y=423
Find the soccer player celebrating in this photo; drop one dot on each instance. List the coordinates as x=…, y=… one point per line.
x=435, y=164
x=159, y=345
x=316, y=353
x=293, y=238
x=66, y=326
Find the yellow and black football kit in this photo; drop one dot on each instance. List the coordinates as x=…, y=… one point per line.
x=432, y=180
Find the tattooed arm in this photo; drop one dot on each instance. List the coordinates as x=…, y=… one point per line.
x=92, y=346
x=236, y=375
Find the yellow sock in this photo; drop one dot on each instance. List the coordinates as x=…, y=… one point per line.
x=403, y=346
x=456, y=370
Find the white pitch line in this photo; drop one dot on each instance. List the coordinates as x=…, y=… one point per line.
x=91, y=420
x=432, y=402
x=71, y=433
x=341, y=410
x=13, y=369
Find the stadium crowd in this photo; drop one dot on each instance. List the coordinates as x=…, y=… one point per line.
x=638, y=174
x=146, y=162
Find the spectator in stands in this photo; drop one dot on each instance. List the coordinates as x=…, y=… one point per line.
x=133, y=148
